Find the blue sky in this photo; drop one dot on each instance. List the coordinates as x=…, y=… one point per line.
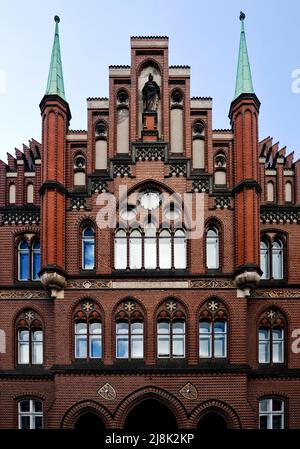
x=95, y=34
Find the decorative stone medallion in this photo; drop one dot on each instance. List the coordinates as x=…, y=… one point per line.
x=29, y=315
x=129, y=306
x=171, y=306
x=107, y=392
x=213, y=305
x=189, y=391
x=87, y=306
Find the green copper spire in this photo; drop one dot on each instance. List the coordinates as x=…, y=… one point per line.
x=243, y=77
x=55, y=85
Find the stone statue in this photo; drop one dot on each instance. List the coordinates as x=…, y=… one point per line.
x=151, y=95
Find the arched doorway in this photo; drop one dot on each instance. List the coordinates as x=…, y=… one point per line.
x=89, y=421
x=212, y=421
x=150, y=415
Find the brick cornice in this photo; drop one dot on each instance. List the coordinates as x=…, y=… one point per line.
x=247, y=184
x=52, y=185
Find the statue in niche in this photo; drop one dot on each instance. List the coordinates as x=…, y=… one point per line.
x=151, y=95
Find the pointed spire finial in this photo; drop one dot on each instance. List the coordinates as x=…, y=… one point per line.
x=55, y=84
x=243, y=77
x=242, y=16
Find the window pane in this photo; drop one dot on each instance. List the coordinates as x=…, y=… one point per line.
x=37, y=406
x=264, y=260
x=277, y=405
x=163, y=327
x=95, y=346
x=80, y=328
x=163, y=346
x=88, y=254
x=179, y=249
x=178, y=346
x=178, y=327
x=205, y=327
x=205, y=347
x=264, y=334
x=95, y=328
x=264, y=352
x=25, y=422
x=135, y=251
x=24, y=406
x=137, y=327
x=278, y=352
x=24, y=266
x=219, y=326
x=37, y=335
x=122, y=328
x=37, y=353
x=220, y=346
x=277, y=422
x=263, y=422
x=23, y=346
x=36, y=264
x=38, y=422
x=264, y=405
x=80, y=346
x=122, y=347
x=137, y=347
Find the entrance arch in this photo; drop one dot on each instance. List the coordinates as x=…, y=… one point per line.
x=87, y=414
x=212, y=421
x=89, y=421
x=150, y=415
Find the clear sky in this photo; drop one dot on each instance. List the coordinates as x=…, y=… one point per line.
x=96, y=33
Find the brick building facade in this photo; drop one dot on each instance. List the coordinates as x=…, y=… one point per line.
x=144, y=320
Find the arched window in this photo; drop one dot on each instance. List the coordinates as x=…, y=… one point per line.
x=213, y=330
x=171, y=331
x=271, y=413
x=265, y=259
x=120, y=249
x=158, y=246
x=212, y=248
x=277, y=259
x=29, y=260
x=87, y=331
x=270, y=191
x=272, y=262
x=135, y=249
x=30, y=414
x=165, y=249
x=30, y=339
x=24, y=261
x=101, y=133
x=220, y=169
x=88, y=249
x=198, y=136
x=180, y=249
x=150, y=246
x=12, y=194
x=288, y=192
x=36, y=260
x=79, y=170
x=271, y=337
x=129, y=331
x=29, y=193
